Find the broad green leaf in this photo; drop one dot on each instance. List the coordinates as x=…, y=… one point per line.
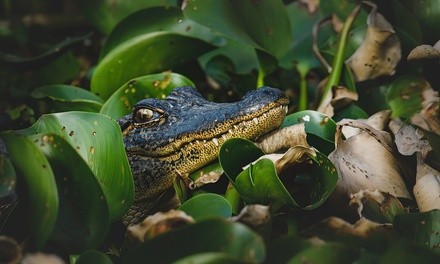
x=83, y=217
x=243, y=57
x=320, y=128
x=351, y=111
x=422, y=228
x=159, y=85
x=38, y=210
x=331, y=252
x=221, y=70
x=284, y=248
x=93, y=257
x=405, y=252
x=165, y=19
x=261, y=24
x=300, y=54
x=236, y=153
x=98, y=140
x=105, y=14
x=67, y=98
x=403, y=95
x=10, y=60
x=141, y=55
x=207, y=205
x=342, y=9
x=211, y=235
x=406, y=25
x=260, y=184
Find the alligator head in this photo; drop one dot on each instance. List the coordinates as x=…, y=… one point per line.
x=176, y=136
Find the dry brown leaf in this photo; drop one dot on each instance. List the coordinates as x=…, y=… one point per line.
x=427, y=187
x=337, y=98
x=253, y=215
x=379, y=53
x=283, y=138
x=205, y=178
x=408, y=139
x=294, y=155
x=363, y=228
x=312, y=5
x=425, y=52
x=366, y=161
x=428, y=117
x=157, y=224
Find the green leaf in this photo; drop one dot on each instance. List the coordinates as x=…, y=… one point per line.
x=39, y=206
x=93, y=257
x=150, y=86
x=98, y=140
x=403, y=95
x=207, y=205
x=260, y=184
x=332, y=252
x=141, y=55
x=236, y=153
x=351, y=111
x=165, y=19
x=66, y=97
x=405, y=252
x=320, y=128
x=422, y=228
x=261, y=24
x=211, y=235
x=83, y=217
x=104, y=14
x=284, y=248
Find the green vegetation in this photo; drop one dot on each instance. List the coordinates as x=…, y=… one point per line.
x=70, y=69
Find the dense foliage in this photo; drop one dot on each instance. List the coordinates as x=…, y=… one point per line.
x=70, y=69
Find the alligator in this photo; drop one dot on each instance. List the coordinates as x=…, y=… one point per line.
x=174, y=137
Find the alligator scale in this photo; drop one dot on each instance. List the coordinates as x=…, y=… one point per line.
x=174, y=137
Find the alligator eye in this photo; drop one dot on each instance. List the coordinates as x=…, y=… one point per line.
x=148, y=116
x=143, y=115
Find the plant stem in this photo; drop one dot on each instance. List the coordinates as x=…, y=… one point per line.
x=303, y=98
x=260, y=78
x=233, y=198
x=338, y=61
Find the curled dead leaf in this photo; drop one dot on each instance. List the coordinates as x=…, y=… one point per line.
x=253, y=215
x=425, y=52
x=376, y=205
x=379, y=53
x=157, y=224
x=408, y=139
x=428, y=117
x=283, y=138
x=427, y=187
x=205, y=178
x=294, y=155
x=334, y=226
x=337, y=98
x=366, y=161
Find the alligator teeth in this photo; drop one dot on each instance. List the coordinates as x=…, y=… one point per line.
x=224, y=137
x=235, y=126
x=286, y=108
x=230, y=131
x=265, y=115
x=215, y=140
x=255, y=120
